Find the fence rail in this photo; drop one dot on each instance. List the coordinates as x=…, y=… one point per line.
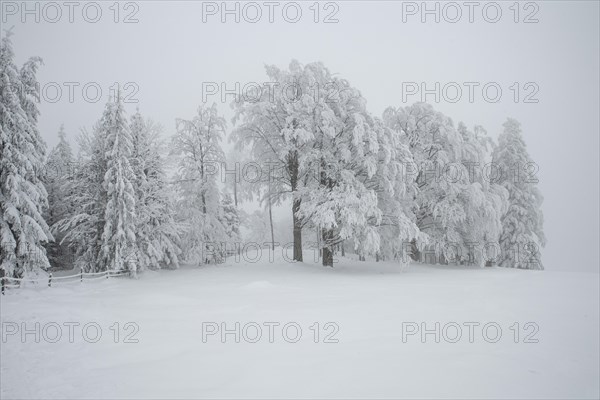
x=8, y=282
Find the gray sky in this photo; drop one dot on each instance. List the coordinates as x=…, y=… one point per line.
x=379, y=46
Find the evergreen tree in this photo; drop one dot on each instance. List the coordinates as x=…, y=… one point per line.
x=57, y=172
x=23, y=197
x=86, y=195
x=156, y=231
x=522, y=224
x=230, y=220
x=118, y=238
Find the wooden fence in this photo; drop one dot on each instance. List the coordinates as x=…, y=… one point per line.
x=8, y=282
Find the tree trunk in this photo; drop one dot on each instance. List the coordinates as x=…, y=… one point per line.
x=319, y=248
x=415, y=254
x=271, y=222
x=293, y=171
x=327, y=250
x=297, y=231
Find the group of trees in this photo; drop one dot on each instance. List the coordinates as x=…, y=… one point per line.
x=394, y=186
x=362, y=182
x=116, y=198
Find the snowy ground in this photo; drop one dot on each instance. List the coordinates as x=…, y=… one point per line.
x=369, y=302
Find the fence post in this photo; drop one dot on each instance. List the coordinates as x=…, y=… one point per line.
x=50, y=279
x=80, y=274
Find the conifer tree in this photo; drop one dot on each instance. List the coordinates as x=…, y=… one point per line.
x=58, y=170
x=23, y=230
x=522, y=224
x=118, y=238
x=157, y=233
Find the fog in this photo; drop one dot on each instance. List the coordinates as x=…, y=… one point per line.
x=383, y=48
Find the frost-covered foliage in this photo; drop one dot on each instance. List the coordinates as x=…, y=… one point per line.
x=23, y=230
x=487, y=201
x=433, y=143
x=230, y=219
x=274, y=127
x=121, y=212
x=157, y=233
x=409, y=184
x=118, y=238
x=198, y=144
x=340, y=198
x=395, y=193
x=86, y=196
x=455, y=208
x=314, y=127
x=522, y=225
x=57, y=172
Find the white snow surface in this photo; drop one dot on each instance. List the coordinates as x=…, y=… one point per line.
x=368, y=301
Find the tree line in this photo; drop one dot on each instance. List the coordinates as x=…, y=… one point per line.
x=363, y=183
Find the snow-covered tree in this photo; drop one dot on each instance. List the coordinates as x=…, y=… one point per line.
x=448, y=203
x=198, y=143
x=56, y=175
x=23, y=197
x=395, y=197
x=433, y=142
x=86, y=195
x=257, y=227
x=315, y=128
x=341, y=198
x=157, y=234
x=522, y=224
x=273, y=130
x=485, y=202
x=230, y=219
x=118, y=238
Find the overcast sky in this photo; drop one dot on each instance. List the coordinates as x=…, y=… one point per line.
x=379, y=46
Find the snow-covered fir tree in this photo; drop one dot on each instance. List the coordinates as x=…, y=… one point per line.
x=23, y=197
x=157, y=234
x=198, y=145
x=230, y=219
x=86, y=195
x=522, y=224
x=57, y=173
x=118, y=238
